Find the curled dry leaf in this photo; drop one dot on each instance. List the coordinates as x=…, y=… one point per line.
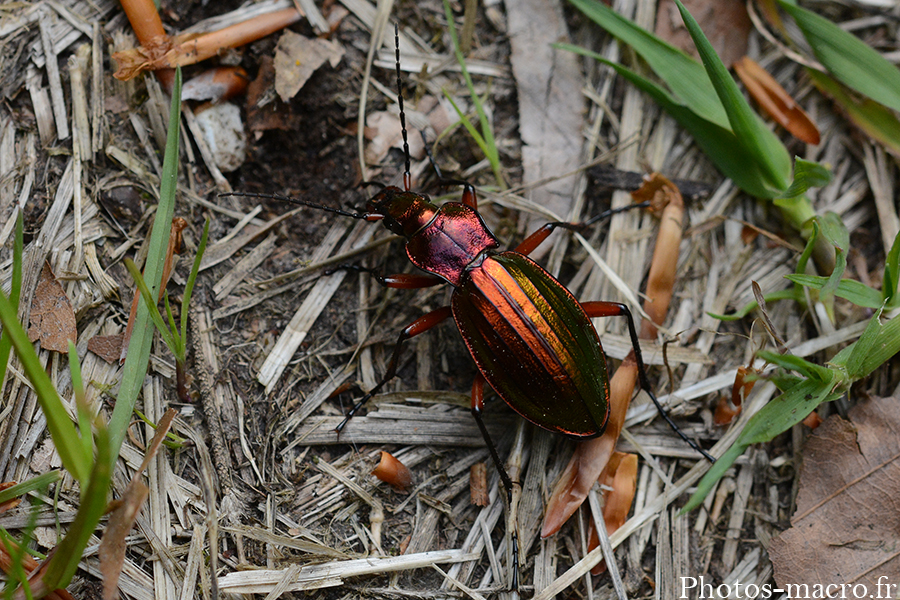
x=298, y=57
x=846, y=528
x=216, y=84
x=478, y=491
x=619, y=482
x=392, y=471
x=663, y=195
x=168, y=53
x=773, y=99
x=52, y=317
x=727, y=410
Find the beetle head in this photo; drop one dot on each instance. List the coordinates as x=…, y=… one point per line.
x=404, y=212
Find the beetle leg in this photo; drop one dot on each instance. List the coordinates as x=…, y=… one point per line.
x=616, y=309
x=420, y=325
x=477, y=407
x=534, y=240
x=405, y=281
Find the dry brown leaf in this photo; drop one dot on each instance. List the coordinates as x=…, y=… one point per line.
x=107, y=347
x=125, y=511
x=9, y=504
x=777, y=103
x=52, y=317
x=846, y=529
x=619, y=481
x=725, y=22
x=297, y=58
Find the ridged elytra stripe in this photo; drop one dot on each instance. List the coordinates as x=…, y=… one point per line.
x=534, y=344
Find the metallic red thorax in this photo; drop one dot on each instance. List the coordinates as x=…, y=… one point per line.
x=443, y=240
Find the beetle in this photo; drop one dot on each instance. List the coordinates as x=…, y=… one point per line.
x=531, y=340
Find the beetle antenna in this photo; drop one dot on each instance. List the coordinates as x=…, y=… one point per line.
x=337, y=211
x=407, y=176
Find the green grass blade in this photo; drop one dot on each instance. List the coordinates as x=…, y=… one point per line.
x=65, y=560
x=81, y=408
x=848, y=58
x=848, y=289
x=41, y=482
x=763, y=145
x=192, y=279
x=138, y=355
x=15, y=290
x=722, y=147
x=686, y=77
x=65, y=438
x=878, y=343
x=807, y=175
x=488, y=145
x=891, y=273
x=155, y=315
x=877, y=121
x=774, y=418
x=790, y=294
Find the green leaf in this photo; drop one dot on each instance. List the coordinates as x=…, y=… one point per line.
x=774, y=418
x=65, y=438
x=64, y=562
x=41, y=482
x=877, y=121
x=807, y=175
x=138, y=355
x=795, y=363
x=768, y=151
x=81, y=407
x=878, y=343
x=155, y=315
x=722, y=147
x=848, y=58
x=686, y=77
x=891, y=273
x=848, y=289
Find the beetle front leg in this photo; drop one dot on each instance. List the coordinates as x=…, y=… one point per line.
x=534, y=240
x=617, y=309
x=477, y=408
x=420, y=325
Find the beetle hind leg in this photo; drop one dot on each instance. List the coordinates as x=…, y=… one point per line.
x=505, y=479
x=617, y=309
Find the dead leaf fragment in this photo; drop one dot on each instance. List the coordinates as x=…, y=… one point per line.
x=297, y=58
x=52, y=317
x=619, y=482
x=725, y=22
x=107, y=347
x=777, y=103
x=216, y=84
x=846, y=528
